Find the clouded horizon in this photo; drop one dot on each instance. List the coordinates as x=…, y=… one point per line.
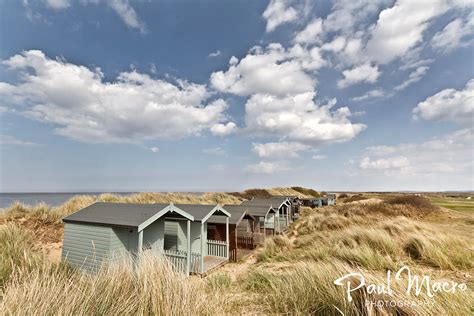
x=118, y=95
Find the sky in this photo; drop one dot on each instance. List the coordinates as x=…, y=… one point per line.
x=117, y=95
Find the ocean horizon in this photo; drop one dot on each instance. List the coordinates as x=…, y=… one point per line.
x=54, y=198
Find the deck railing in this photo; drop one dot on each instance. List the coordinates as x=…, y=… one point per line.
x=245, y=242
x=178, y=259
x=282, y=221
x=217, y=248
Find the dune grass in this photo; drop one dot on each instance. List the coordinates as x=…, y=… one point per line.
x=294, y=273
x=149, y=288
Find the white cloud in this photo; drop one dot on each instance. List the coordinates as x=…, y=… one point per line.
x=277, y=151
x=299, y=119
x=279, y=12
x=82, y=106
x=223, y=129
x=448, y=154
x=128, y=14
x=154, y=149
x=336, y=45
x=385, y=163
x=415, y=76
x=274, y=71
x=311, y=33
x=401, y=28
x=268, y=167
x=449, y=105
x=454, y=34
x=362, y=73
x=319, y=157
x=376, y=93
x=214, y=54
x=346, y=16
x=58, y=4
x=11, y=140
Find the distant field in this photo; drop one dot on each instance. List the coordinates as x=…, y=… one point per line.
x=460, y=204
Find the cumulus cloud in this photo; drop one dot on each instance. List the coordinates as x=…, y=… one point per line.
x=282, y=150
x=268, y=167
x=415, y=76
x=401, y=27
x=279, y=12
x=362, y=73
x=450, y=153
x=273, y=70
x=299, y=119
x=449, y=105
x=133, y=108
x=154, y=149
x=12, y=140
x=223, y=129
x=347, y=16
x=454, y=35
x=311, y=33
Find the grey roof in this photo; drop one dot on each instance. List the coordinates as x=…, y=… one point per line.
x=290, y=197
x=198, y=211
x=236, y=211
x=256, y=210
x=121, y=214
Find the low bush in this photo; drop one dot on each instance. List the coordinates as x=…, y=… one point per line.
x=307, y=191
x=416, y=201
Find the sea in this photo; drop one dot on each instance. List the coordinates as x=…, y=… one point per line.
x=54, y=198
x=50, y=198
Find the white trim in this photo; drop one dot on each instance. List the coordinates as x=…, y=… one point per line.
x=140, y=242
x=188, y=247
x=227, y=236
x=170, y=208
x=216, y=208
x=202, y=247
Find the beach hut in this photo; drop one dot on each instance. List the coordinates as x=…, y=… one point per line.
x=107, y=232
x=241, y=230
x=273, y=213
x=293, y=202
x=211, y=252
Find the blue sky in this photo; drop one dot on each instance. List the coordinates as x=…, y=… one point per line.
x=116, y=95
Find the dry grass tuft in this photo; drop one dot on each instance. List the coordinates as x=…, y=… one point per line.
x=252, y=193
x=416, y=201
x=150, y=288
x=307, y=192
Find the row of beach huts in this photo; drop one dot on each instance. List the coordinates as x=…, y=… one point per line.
x=195, y=238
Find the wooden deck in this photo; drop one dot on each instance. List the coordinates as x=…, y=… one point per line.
x=212, y=262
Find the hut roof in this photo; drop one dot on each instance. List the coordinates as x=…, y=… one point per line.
x=120, y=214
x=237, y=213
x=274, y=202
x=202, y=212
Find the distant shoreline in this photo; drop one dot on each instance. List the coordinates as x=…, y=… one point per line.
x=53, y=198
